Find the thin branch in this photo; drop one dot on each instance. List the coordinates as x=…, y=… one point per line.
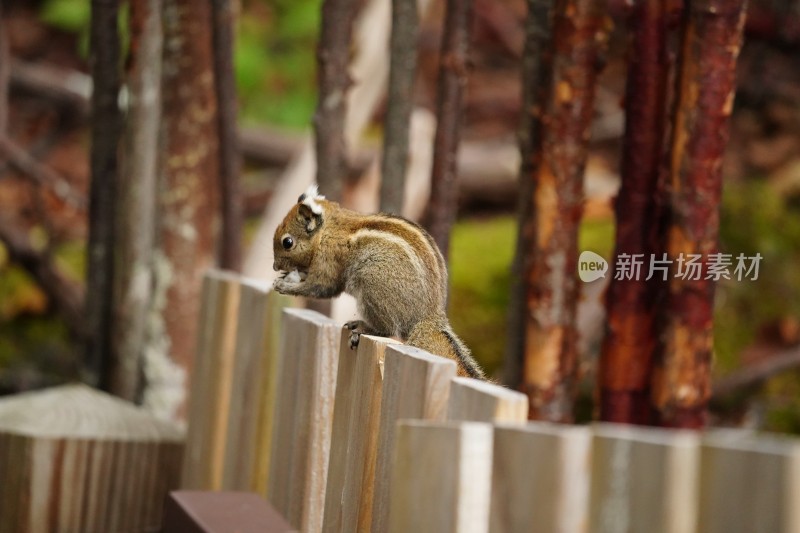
x=442, y=206
x=40, y=174
x=757, y=373
x=66, y=295
x=66, y=87
x=229, y=153
x=400, y=100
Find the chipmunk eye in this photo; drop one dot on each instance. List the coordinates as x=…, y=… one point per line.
x=287, y=243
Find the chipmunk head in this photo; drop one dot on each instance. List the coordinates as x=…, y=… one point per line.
x=296, y=237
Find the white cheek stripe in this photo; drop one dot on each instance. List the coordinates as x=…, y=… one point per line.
x=401, y=243
x=310, y=198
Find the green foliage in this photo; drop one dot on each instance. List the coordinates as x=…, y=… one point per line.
x=481, y=252
x=68, y=15
x=74, y=16
x=755, y=219
x=275, y=65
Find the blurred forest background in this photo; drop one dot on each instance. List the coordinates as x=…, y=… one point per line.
x=44, y=58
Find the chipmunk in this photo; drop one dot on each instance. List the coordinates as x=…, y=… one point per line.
x=390, y=265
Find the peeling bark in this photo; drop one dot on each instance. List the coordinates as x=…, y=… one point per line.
x=536, y=73
x=333, y=60
x=230, y=157
x=707, y=79
x=400, y=100
x=443, y=203
x=188, y=201
x=630, y=341
x=137, y=199
x=106, y=127
x=551, y=359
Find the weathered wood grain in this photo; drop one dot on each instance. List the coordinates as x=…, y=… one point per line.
x=354, y=444
x=303, y=417
x=441, y=477
x=644, y=480
x=540, y=478
x=75, y=459
x=480, y=401
x=416, y=385
x=749, y=483
x=210, y=387
x=252, y=403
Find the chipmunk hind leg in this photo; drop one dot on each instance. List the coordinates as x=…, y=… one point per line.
x=435, y=335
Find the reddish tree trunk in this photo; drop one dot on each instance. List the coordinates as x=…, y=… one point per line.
x=188, y=203
x=711, y=43
x=442, y=206
x=627, y=353
x=551, y=364
x=333, y=60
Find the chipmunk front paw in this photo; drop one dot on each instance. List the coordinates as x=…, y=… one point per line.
x=289, y=283
x=356, y=327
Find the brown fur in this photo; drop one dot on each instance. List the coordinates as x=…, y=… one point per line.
x=390, y=265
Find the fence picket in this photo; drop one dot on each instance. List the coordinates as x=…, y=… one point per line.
x=644, y=480
x=480, y=401
x=303, y=417
x=441, y=477
x=417, y=386
x=540, y=478
x=749, y=483
x=356, y=421
x=210, y=387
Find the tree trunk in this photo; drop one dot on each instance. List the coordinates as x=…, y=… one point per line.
x=188, y=203
x=136, y=222
x=5, y=68
x=627, y=353
x=333, y=59
x=551, y=358
x=106, y=126
x=443, y=203
x=400, y=100
x=230, y=157
x=711, y=43
x=536, y=75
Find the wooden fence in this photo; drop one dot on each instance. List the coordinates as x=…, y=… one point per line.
x=386, y=438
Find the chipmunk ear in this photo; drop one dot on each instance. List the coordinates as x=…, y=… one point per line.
x=310, y=220
x=310, y=209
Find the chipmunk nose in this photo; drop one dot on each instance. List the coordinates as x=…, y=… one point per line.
x=275, y=266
